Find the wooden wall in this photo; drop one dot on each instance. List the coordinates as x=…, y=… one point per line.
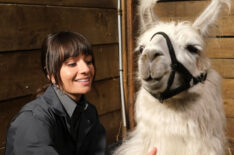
x=220, y=47
x=24, y=24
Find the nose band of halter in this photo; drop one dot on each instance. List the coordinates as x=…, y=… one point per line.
x=176, y=66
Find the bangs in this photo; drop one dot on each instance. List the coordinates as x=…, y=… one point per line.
x=71, y=45
x=74, y=48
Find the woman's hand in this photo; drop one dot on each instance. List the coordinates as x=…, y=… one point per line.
x=153, y=152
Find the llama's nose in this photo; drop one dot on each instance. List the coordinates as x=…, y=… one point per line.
x=152, y=55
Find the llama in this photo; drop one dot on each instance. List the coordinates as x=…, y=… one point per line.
x=179, y=107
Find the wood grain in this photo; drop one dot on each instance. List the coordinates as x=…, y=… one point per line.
x=107, y=61
x=222, y=28
x=229, y=107
x=80, y=3
x=230, y=127
x=181, y=11
x=111, y=123
x=186, y=8
x=228, y=91
x=105, y=95
x=24, y=27
x=220, y=48
x=225, y=67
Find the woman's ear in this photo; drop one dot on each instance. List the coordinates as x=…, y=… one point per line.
x=51, y=79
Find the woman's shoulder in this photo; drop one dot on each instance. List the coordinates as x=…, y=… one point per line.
x=40, y=109
x=33, y=112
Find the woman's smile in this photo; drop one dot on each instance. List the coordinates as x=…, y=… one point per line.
x=83, y=81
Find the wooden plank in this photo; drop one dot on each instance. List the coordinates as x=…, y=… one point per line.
x=183, y=9
x=225, y=67
x=111, y=123
x=107, y=61
x=228, y=98
x=229, y=107
x=105, y=95
x=230, y=127
x=223, y=28
x=24, y=27
x=227, y=86
x=20, y=74
x=2, y=150
x=180, y=8
x=80, y=3
x=230, y=131
x=231, y=145
x=130, y=58
x=21, y=71
x=220, y=48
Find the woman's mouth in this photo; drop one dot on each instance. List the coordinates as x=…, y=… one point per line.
x=85, y=81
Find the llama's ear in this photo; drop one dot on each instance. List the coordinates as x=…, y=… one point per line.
x=147, y=14
x=209, y=15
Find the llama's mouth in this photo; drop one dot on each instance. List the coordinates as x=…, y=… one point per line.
x=149, y=79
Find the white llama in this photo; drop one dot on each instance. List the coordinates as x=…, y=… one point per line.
x=179, y=107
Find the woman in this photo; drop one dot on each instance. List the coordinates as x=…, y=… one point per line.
x=61, y=121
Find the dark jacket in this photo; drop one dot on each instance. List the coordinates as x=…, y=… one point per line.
x=42, y=127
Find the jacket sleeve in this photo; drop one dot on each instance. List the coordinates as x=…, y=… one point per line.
x=28, y=135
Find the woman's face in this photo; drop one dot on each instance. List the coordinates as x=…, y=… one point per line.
x=77, y=75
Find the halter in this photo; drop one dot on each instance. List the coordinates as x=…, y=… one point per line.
x=176, y=66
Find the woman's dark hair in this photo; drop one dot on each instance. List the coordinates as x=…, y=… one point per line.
x=58, y=47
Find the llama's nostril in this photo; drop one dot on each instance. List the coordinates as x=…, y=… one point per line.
x=148, y=79
x=156, y=55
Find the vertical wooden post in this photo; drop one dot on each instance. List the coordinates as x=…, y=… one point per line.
x=130, y=62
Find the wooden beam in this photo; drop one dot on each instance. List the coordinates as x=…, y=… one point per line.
x=186, y=8
x=25, y=26
x=111, y=123
x=80, y=3
x=220, y=48
x=225, y=67
x=130, y=48
x=105, y=95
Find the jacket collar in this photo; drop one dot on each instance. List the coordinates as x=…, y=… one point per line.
x=53, y=101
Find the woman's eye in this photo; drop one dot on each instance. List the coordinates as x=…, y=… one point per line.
x=71, y=64
x=89, y=62
x=192, y=49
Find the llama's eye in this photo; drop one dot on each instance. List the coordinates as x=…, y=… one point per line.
x=141, y=48
x=192, y=49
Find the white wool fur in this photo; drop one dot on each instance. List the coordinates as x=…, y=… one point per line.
x=192, y=122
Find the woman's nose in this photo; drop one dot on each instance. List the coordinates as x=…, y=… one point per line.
x=83, y=67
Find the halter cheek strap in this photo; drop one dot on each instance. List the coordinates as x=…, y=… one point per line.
x=189, y=79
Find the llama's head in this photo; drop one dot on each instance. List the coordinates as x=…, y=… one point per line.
x=156, y=44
